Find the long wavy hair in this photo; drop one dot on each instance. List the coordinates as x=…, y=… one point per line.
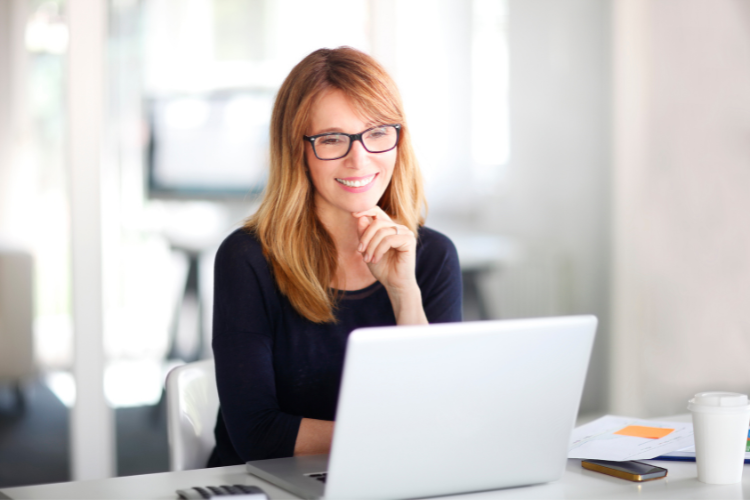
x=300, y=250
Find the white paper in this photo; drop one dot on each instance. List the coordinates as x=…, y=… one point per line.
x=689, y=452
x=597, y=440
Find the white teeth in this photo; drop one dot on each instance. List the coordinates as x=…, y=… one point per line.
x=356, y=184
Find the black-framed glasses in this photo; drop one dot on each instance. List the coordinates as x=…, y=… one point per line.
x=335, y=145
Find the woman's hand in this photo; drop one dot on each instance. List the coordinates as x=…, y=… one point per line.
x=390, y=251
x=388, y=248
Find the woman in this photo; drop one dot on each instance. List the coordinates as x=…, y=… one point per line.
x=336, y=244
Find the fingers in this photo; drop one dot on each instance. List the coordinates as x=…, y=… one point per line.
x=374, y=233
x=363, y=223
x=378, y=234
x=385, y=237
x=368, y=217
x=379, y=242
x=379, y=246
x=369, y=222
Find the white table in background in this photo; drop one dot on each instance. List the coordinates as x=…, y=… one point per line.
x=480, y=254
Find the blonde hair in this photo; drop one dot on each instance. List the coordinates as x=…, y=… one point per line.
x=299, y=249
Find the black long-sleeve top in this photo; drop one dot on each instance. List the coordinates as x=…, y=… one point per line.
x=274, y=367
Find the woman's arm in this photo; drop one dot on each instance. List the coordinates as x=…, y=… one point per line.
x=255, y=425
x=407, y=306
x=314, y=437
x=244, y=309
x=439, y=277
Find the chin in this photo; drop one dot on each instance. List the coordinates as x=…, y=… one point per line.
x=367, y=204
x=360, y=207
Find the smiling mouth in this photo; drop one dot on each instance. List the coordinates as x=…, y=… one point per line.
x=358, y=183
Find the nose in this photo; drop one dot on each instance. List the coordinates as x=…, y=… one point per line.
x=358, y=155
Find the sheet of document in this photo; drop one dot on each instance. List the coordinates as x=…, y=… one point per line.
x=689, y=452
x=597, y=440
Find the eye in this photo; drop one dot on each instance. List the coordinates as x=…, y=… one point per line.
x=330, y=140
x=377, y=133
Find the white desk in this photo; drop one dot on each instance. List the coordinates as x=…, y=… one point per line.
x=576, y=483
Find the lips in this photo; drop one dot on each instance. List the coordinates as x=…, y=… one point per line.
x=356, y=182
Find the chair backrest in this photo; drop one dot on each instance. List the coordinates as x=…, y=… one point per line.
x=192, y=406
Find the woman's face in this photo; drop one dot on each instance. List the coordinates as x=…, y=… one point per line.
x=357, y=181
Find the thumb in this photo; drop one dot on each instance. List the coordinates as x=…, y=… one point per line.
x=362, y=224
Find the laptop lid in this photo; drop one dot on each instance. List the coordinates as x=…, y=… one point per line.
x=457, y=407
x=449, y=408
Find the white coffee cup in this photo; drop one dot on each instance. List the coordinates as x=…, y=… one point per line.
x=720, y=425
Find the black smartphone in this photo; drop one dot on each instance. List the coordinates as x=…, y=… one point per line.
x=631, y=470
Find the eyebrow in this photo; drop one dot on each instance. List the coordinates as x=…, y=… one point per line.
x=329, y=129
x=368, y=126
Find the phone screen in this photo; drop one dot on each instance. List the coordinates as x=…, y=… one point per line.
x=632, y=470
x=631, y=467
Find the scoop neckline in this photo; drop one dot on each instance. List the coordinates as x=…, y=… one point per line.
x=361, y=290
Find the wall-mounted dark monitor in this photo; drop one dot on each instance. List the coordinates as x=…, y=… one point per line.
x=208, y=145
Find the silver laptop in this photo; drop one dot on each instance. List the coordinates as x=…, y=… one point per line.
x=448, y=408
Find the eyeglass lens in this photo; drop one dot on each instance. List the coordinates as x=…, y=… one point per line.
x=376, y=140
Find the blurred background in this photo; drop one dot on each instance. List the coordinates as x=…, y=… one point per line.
x=586, y=156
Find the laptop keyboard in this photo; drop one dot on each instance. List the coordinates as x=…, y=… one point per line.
x=320, y=476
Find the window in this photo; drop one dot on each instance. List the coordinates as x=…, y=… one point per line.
x=490, y=144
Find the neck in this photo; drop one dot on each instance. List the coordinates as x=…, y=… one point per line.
x=352, y=272
x=342, y=227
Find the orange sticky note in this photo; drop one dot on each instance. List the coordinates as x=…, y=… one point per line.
x=644, y=432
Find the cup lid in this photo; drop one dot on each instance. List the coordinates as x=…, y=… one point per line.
x=731, y=401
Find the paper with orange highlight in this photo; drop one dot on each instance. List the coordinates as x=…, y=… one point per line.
x=612, y=437
x=644, y=432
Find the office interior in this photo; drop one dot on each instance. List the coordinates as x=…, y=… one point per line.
x=587, y=157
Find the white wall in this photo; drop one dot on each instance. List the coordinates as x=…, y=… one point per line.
x=13, y=184
x=556, y=201
x=682, y=217
x=4, y=107
x=425, y=45
x=16, y=263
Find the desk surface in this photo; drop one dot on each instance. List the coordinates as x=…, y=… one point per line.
x=576, y=483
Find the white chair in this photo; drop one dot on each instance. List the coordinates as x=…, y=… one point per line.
x=192, y=405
